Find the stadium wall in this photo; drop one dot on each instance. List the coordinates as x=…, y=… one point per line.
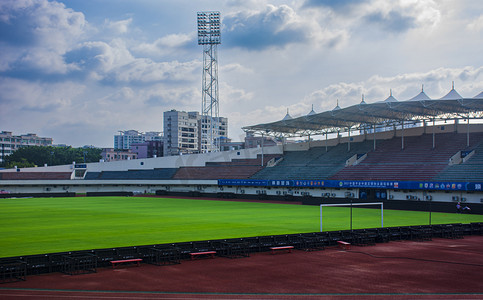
x=192, y=160
x=397, y=199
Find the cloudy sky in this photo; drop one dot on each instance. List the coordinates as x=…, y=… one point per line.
x=80, y=71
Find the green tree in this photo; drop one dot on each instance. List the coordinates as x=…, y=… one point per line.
x=19, y=164
x=41, y=155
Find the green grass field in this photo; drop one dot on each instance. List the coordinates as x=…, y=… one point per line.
x=46, y=225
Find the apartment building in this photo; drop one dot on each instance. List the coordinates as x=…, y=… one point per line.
x=189, y=132
x=125, y=139
x=9, y=143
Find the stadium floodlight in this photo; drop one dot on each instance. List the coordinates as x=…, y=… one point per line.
x=209, y=35
x=209, y=28
x=352, y=204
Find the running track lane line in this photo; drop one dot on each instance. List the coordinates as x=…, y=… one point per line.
x=153, y=293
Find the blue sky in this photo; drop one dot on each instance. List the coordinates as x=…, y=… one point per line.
x=80, y=71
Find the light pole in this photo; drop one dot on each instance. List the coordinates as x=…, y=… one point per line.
x=209, y=35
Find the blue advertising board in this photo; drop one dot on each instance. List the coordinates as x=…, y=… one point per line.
x=386, y=184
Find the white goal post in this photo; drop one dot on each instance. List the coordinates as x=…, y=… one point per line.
x=354, y=204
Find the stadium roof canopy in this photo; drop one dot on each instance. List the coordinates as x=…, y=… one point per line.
x=364, y=115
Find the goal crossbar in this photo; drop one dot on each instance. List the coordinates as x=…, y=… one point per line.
x=354, y=204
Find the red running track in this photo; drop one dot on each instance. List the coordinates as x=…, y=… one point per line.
x=438, y=269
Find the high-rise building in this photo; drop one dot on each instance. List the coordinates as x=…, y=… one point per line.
x=9, y=143
x=220, y=131
x=185, y=132
x=125, y=139
x=180, y=132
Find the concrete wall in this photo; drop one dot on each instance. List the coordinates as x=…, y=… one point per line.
x=163, y=162
x=211, y=187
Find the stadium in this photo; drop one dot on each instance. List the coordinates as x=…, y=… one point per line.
x=421, y=155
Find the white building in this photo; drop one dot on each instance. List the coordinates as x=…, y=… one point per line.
x=180, y=132
x=9, y=143
x=125, y=138
x=220, y=131
x=187, y=132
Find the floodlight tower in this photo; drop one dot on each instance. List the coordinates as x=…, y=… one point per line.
x=209, y=36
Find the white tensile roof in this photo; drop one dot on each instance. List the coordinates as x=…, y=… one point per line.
x=287, y=117
x=479, y=96
x=452, y=105
x=452, y=95
x=420, y=97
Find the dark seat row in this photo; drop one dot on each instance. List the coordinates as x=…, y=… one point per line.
x=87, y=261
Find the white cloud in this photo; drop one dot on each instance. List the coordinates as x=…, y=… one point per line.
x=437, y=82
x=80, y=82
x=167, y=45
x=237, y=68
x=36, y=96
x=119, y=27
x=35, y=34
x=476, y=25
x=274, y=27
x=114, y=63
x=402, y=15
x=389, y=16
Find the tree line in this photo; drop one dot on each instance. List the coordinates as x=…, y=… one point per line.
x=26, y=157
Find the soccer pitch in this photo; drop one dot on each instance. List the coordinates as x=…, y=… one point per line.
x=46, y=225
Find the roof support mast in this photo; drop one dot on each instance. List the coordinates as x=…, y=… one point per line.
x=468, y=132
x=434, y=137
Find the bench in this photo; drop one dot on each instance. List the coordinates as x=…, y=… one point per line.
x=289, y=248
x=205, y=253
x=344, y=245
x=122, y=261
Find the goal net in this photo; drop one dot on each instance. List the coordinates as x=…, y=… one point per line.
x=351, y=205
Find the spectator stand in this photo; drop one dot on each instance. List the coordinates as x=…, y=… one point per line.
x=344, y=235
x=38, y=264
x=265, y=242
x=172, y=253
x=79, y=263
x=203, y=246
x=296, y=240
x=185, y=248
x=312, y=242
x=453, y=231
x=281, y=240
x=234, y=249
x=253, y=244
x=405, y=233
x=380, y=235
x=162, y=256
x=12, y=270
x=126, y=253
x=420, y=233
x=476, y=228
x=105, y=256
x=364, y=238
x=394, y=234
x=202, y=249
